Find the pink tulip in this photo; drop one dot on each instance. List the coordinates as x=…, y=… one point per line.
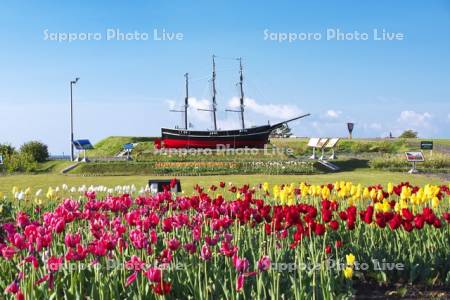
x=241, y=264
x=264, y=263
x=174, y=244
x=205, y=252
x=153, y=274
x=71, y=240
x=240, y=282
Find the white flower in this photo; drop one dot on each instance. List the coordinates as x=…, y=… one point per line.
x=38, y=192
x=20, y=195
x=65, y=187
x=73, y=189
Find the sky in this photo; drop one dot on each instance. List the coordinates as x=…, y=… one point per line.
x=334, y=66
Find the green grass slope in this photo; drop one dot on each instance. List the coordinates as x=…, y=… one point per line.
x=112, y=145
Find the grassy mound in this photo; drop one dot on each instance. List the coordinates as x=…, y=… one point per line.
x=112, y=145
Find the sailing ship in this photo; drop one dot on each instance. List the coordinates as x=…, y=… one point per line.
x=251, y=137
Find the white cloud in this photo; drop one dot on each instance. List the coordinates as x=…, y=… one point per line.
x=414, y=119
x=273, y=111
x=194, y=114
x=375, y=126
x=333, y=114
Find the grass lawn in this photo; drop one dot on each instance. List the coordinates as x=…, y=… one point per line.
x=365, y=177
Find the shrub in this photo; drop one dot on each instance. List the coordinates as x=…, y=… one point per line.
x=409, y=134
x=436, y=163
x=20, y=162
x=6, y=150
x=37, y=150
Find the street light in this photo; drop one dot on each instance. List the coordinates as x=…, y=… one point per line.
x=72, y=82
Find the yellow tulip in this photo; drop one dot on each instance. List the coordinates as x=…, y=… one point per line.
x=266, y=186
x=366, y=193
x=380, y=195
x=373, y=194
x=386, y=206
x=350, y=258
x=390, y=188
x=325, y=192
x=348, y=272
x=378, y=207
x=435, y=202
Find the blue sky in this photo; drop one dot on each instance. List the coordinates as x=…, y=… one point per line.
x=127, y=87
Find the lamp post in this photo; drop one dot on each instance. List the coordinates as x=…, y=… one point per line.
x=72, y=82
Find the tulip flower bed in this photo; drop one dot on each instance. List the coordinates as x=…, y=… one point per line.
x=282, y=242
x=194, y=168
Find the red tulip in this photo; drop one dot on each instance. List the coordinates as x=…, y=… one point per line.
x=319, y=229
x=162, y=288
x=334, y=225
x=13, y=288
x=54, y=263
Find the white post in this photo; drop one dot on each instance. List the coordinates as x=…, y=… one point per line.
x=323, y=154
x=313, y=156
x=333, y=154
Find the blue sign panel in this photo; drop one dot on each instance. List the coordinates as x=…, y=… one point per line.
x=128, y=146
x=83, y=145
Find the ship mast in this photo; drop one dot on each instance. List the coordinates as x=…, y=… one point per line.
x=214, y=103
x=186, y=103
x=242, y=92
x=241, y=99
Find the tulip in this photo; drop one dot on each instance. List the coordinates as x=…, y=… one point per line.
x=350, y=258
x=205, y=252
x=348, y=272
x=153, y=274
x=264, y=263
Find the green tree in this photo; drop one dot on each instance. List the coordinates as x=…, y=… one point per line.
x=37, y=150
x=6, y=150
x=409, y=134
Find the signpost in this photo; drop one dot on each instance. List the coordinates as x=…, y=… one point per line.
x=414, y=157
x=350, y=127
x=83, y=145
x=157, y=185
x=427, y=145
x=128, y=148
x=313, y=144
x=321, y=145
x=332, y=145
